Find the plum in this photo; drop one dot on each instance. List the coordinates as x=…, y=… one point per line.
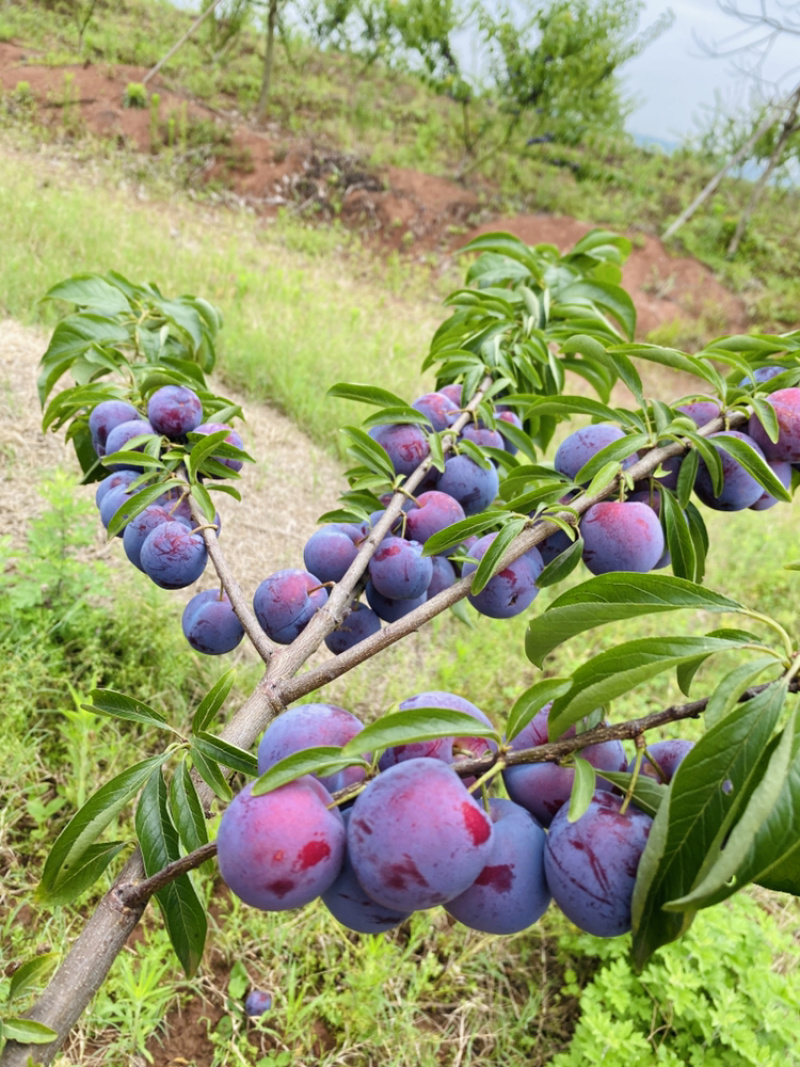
x=139, y=528
x=512, y=589
x=621, y=535
x=786, y=405
x=257, y=1002
x=453, y=392
x=391, y=610
x=483, y=436
x=406, y=445
x=352, y=907
x=329, y=551
x=210, y=624
x=285, y=602
x=398, y=570
x=440, y=411
x=591, y=864
x=174, y=410
x=118, y=439
x=444, y=575
x=362, y=622
x=784, y=473
x=283, y=849
x=172, y=556
x=433, y=511
x=474, y=487
x=111, y=503
x=104, y=417
x=511, y=893
x=544, y=788
x=739, y=489
x=447, y=749
x=581, y=445
x=416, y=837
x=113, y=481
x=663, y=758
x=306, y=726
x=700, y=412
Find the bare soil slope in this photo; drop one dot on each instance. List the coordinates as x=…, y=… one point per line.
x=392, y=208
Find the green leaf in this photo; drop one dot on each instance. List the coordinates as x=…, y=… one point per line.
x=214, y=748
x=420, y=724
x=184, y=914
x=615, y=452
x=186, y=809
x=86, y=825
x=211, y=774
x=727, y=694
x=647, y=794
x=562, y=566
x=563, y=406
x=27, y=1031
x=460, y=531
x=686, y=477
x=28, y=974
x=613, y=597
x=532, y=701
x=702, y=800
x=120, y=706
x=724, y=877
x=490, y=561
x=84, y=872
x=89, y=290
x=678, y=537
x=582, y=789
x=366, y=394
x=767, y=418
x=754, y=464
x=320, y=760
x=213, y=701
x=367, y=451
x=618, y=670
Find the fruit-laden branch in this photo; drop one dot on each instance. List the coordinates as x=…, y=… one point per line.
x=136, y=894
x=86, y=965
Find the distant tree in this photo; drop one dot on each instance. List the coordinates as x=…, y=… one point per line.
x=769, y=131
x=556, y=72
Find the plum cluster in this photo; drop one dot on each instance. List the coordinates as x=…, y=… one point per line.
x=161, y=540
x=415, y=837
x=399, y=577
x=626, y=535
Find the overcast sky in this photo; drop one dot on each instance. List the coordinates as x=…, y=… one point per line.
x=672, y=78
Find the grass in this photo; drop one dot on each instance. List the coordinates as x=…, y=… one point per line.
x=298, y=318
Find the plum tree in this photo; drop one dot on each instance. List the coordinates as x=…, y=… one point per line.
x=420, y=832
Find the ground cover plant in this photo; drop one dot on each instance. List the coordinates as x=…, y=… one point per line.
x=526, y=319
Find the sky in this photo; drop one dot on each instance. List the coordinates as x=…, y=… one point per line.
x=672, y=79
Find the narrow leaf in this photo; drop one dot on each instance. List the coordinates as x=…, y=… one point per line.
x=582, y=789
x=421, y=724
x=532, y=701
x=320, y=760
x=612, y=597
x=212, y=702
x=120, y=706
x=214, y=748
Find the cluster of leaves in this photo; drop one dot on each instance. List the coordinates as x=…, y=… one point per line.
x=125, y=341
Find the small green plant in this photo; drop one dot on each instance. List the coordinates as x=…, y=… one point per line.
x=135, y=95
